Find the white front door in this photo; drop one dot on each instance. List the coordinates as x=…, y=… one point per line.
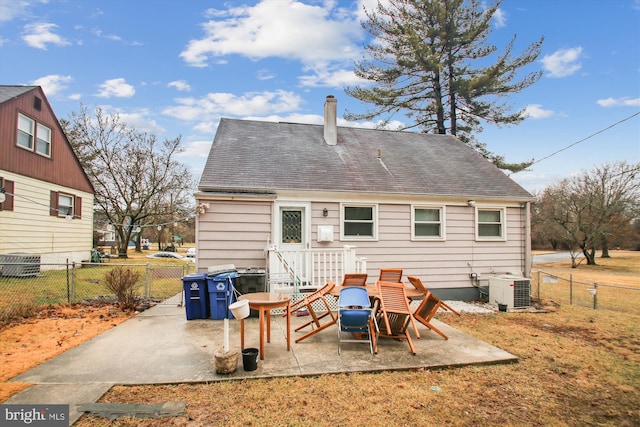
x=292, y=234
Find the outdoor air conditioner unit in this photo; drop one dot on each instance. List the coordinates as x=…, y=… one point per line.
x=513, y=291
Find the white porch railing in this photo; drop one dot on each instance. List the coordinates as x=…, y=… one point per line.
x=309, y=269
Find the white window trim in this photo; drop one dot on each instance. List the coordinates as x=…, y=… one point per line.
x=376, y=222
x=443, y=228
x=73, y=207
x=32, y=135
x=503, y=218
x=37, y=138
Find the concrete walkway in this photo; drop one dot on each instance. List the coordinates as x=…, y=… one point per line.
x=161, y=346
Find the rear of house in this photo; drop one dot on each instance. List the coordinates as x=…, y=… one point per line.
x=47, y=210
x=296, y=199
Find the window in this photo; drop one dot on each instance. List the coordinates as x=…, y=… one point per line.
x=359, y=222
x=491, y=224
x=43, y=141
x=428, y=223
x=26, y=130
x=65, y=205
x=30, y=133
x=291, y=226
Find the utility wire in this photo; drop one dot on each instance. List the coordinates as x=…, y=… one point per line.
x=588, y=137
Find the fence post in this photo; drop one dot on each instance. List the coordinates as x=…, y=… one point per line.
x=147, y=280
x=73, y=282
x=595, y=296
x=539, y=297
x=68, y=283
x=571, y=289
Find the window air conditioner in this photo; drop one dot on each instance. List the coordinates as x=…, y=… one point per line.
x=513, y=291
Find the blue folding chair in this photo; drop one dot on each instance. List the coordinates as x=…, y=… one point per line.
x=355, y=316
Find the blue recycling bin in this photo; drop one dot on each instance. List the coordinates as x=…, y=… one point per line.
x=195, y=296
x=221, y=294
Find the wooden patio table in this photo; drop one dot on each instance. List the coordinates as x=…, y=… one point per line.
x=264, y=302
x=372, y=290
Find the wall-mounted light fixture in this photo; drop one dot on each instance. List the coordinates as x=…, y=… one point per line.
x=202, y=208
x=325, y=212
x=471, y=203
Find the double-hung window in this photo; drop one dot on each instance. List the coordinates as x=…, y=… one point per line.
x=359, y=222
x=33, y=136
x=65, y=205
x=428, y=223
x=491, y=224
x=43, y=140
x=26, y=131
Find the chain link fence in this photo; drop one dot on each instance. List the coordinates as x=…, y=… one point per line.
x=29, y=284
x=566, y=290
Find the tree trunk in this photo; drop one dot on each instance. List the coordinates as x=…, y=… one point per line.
x=605, y=249
x=589, y=255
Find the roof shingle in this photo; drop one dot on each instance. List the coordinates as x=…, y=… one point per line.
x=258, y=156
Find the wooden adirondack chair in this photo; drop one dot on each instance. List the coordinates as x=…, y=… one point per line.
x=395, y=314
x=393, y=275
x=307, y=302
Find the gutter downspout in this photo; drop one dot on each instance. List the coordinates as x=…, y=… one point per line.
x=527, y=240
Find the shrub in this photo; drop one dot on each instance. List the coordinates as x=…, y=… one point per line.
x=123, y=282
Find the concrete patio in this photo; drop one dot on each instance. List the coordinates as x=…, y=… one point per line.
x=161, y=346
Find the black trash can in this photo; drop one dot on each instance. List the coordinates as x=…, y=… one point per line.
x=250, y=359
x=251, y=280
x=195, y=296
x=221, y=294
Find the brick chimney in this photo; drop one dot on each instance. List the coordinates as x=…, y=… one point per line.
x=330, y=120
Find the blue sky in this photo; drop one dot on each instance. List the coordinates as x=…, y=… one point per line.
x=173, y=68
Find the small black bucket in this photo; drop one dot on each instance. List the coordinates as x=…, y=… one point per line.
x=502, y=308
x=250, y=359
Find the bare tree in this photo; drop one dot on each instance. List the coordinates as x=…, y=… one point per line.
x=137, y=180
x=590, y=208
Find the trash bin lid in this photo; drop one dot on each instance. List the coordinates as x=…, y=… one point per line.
x=195, y=276
x=224, y=276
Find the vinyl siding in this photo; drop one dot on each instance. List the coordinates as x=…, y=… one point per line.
x=234, y=232
x=237, y=232
x=29, y=228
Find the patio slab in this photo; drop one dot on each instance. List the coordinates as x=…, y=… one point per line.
x=159, y=346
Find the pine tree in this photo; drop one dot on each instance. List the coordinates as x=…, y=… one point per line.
x=430, y=60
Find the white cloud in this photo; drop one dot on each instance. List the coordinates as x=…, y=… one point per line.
x=563, y=62
x=53, y=83
x=180, y=85
x=98, y=32
x=619, y=102
x=40, y=34
x=500, y=18
x=118, y=88
x=264, y=74
x=140, y=120
x=12, y=9
x=214, y=105
x=277, y=28
x=199, y=148
x=327, y=76
x=535, y=111
x=316, y=119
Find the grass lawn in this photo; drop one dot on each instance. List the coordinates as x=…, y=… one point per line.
x=577, y=366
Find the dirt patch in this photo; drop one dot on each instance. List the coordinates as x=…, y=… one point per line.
x=25, y=343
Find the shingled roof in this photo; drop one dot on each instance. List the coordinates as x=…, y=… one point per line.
x=10, y=92
x=264, y=157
